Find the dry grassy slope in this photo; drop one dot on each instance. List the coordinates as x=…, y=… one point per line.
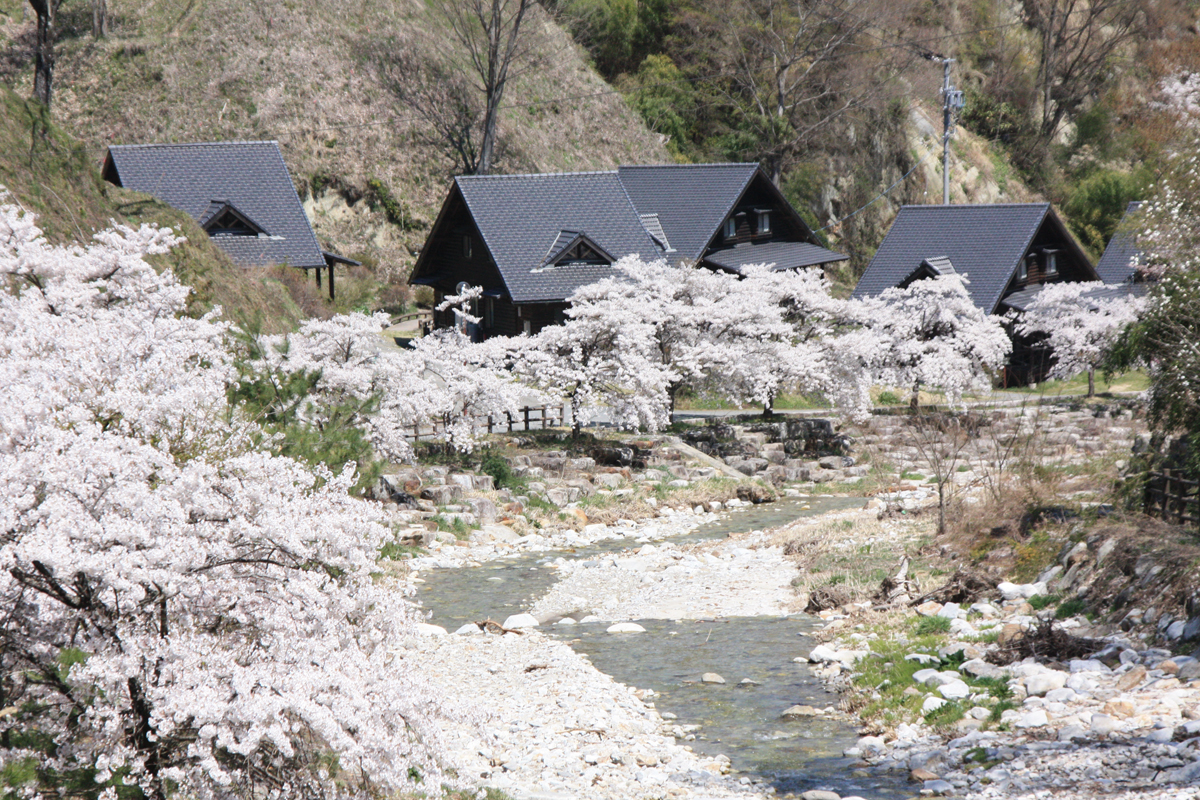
x=51, y=175
x=184, y=70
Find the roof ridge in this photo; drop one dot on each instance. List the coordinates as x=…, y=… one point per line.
x=535, y=175
x=1042, y=203
x=195, y=144
x=753, y=164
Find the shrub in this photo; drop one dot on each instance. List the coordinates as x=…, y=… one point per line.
x=928, y=625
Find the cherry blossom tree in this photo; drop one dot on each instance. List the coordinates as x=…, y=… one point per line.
x=1080, y=322
x=180, y=612
x=931, y=334
x=603, y=356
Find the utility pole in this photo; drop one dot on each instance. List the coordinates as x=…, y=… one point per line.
x=952, y=105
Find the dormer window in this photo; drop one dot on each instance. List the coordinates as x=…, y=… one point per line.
x=223, y=219
x=730, y=229
x=581, y=253
x=466, y=246
x=764, y=221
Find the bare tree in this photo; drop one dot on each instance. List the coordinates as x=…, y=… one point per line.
x=43, y=62
x=489, y=33
x=440, y=95
x=1080, y=40
x=99, y=18
x=791, y=73
x=940, y=441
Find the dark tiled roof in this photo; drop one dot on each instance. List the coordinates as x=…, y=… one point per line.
x=984, y=242
x=250, y=176
x=521, y=217
x=691, y=200
x=1115, y=265
x=782, y=255
x=1021, y=300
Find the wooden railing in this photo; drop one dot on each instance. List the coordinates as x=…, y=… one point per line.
x=423, y=313
x=1173, y=498
x=527, y=418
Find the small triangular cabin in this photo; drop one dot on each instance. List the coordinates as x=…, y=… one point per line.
x=240, y=193
x=1002, y=250
x=531, y=240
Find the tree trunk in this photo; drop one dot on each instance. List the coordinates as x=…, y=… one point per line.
x=43, y=61
x=941, y=507
x=914, y=402
x=1091, y=382
x=99, y=18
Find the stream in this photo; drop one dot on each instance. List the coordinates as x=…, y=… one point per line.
x=739, y=720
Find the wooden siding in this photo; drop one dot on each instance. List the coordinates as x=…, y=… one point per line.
x=1070, y=268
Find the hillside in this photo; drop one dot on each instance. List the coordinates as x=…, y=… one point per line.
x=308, y=74
x=52, y=175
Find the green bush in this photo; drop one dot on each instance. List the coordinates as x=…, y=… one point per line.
x=1041, y=601
x=928, y=625
x=497, y=466
x=888, y=399
x=1070, y=608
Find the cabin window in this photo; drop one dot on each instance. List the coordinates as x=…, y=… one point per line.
x=489, y=312
x=581, y=253
x=1051, y=262
x=466, y=246
x=1023, y=270
x=527, y=328
x=730, y=228
x=230, y=224
x=764, y=222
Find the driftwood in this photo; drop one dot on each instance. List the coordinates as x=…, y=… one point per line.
x=827, y=595
x=1046, y=642
x=491, y=626
x=896, y=590
x=964, y=586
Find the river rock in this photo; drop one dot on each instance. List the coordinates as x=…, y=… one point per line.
x=1131, y=679
x=938, y=788
x=711, y=677
x=1042, y=682
x=920, y=775
x=1034, y=719
x=799, y=712
x=1103, y=724
x=978, y=668
x=820, y=794
x=929, y=609
x=625, y=627
x=518, y=621
x=822, y=654
x=932, y=704
x=426, y=629
x=955, y=690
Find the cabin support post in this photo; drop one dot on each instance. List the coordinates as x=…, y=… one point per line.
x=330, y=280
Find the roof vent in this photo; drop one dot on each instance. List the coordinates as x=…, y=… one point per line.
x=653, y=226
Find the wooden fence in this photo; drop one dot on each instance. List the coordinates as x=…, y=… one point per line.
x=1173, y=498
x=527, y=418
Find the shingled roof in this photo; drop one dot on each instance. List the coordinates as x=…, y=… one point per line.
x=1117, y=263
x=202, y=179
x=691, y=200
x=985, y=243
x=523, y=218
x=783, y=255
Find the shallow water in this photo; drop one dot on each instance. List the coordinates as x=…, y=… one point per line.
x=741, y=721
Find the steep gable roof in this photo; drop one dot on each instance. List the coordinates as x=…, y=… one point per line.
x=1116, y=265
x=691, y=200
x=985, y=243
x=202, y=178
x=782, y=255
x=523, y=219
